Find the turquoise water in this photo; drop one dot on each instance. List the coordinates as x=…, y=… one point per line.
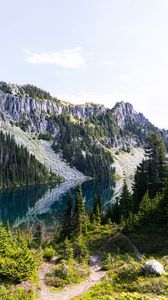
x=27, y=205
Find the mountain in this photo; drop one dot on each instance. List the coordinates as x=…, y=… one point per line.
x=83, y=135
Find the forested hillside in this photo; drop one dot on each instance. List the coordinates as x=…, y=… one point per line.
x=84, y=134
x=18, y=167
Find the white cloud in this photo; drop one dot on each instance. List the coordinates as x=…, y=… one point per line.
x=109, y=62
x=67, y=58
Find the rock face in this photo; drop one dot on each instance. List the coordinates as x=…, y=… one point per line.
x=124, y=113
x=36, y=115
x=152, y=267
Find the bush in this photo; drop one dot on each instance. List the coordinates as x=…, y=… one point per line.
x=81, y=252
x=48, y=253
x=17, y=262
x=16, y=294
x=67, y=273
x=45, y=136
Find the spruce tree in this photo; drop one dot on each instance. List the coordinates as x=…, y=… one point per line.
x=79, y=212
x=67, y=218
x=96, y=213
x=157, y=164
x=140, y=184
x=125, y=201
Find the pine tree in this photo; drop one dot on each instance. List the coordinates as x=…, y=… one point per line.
x=140, y=184
x=68, y=250
x=115, y=211
x=67, y=218
x=39, y=235
x=157, y=164
x=125, y=201
x=96, y=213
x=81, y=252
x=145, y=206
x=79, y=212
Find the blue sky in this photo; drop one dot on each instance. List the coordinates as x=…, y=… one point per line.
x=90, y=50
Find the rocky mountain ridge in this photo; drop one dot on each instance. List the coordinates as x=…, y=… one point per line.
x=36, y=114
x=83, y=134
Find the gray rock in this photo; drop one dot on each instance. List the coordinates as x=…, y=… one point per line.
x=152, y=267
x=94, y=260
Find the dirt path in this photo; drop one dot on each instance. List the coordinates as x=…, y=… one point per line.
x=68, y=292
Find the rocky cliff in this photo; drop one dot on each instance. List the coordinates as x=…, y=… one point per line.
x=80, y=132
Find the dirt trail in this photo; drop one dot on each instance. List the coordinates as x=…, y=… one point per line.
x=68, y=292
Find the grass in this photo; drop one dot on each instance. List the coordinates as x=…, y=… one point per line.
x=14, y=293
x=125, y=281
x=151, y=243
x=67, y=273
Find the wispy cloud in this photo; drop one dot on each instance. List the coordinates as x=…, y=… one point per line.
x=67, y=58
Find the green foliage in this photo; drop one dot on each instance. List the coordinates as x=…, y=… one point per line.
x=77, y=142
x=68, y=250
x=67, y=222
x=79, y=216
x=48, y=253
x=16, y=294
x=96, y=213
x=67, y=273
x=125, y=281
x=125, y=201
x=45, y=136
x=38, y=235
x=35, y=92
x=17, y=262
x=18, y=167
x=108, y=262
x=81, y=252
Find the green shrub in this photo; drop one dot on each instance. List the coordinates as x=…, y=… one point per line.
x=45, y=136
x=16, y=294
x=17, y=261
x=48, y=253
x=67, y=273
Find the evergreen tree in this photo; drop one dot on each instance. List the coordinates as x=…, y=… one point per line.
x=125, y=201
x=115, y=211
x=96, y=213
x=67, y=218
x=80, y=249
x=145, y=206
x=39, y=235
x=68, y=250
x=157, y=164
x=152, y=173
x=79, y=213
x=19, y=167
x=140, y=184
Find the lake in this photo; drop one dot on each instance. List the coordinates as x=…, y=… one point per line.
x=27, y=205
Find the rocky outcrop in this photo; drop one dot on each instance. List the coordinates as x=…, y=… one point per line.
x=124, y=113
x=37, y=115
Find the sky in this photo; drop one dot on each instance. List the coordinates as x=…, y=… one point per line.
x=100, y=51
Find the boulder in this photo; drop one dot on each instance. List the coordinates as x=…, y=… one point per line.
x=152, y=267
x=94, y=260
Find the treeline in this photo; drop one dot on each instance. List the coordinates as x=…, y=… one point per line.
x=81, y=148
x=18, y=167
x=147, y=208
x=35, y=92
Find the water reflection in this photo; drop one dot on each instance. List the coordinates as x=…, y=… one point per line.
x=28, y=205
x=15, y=202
